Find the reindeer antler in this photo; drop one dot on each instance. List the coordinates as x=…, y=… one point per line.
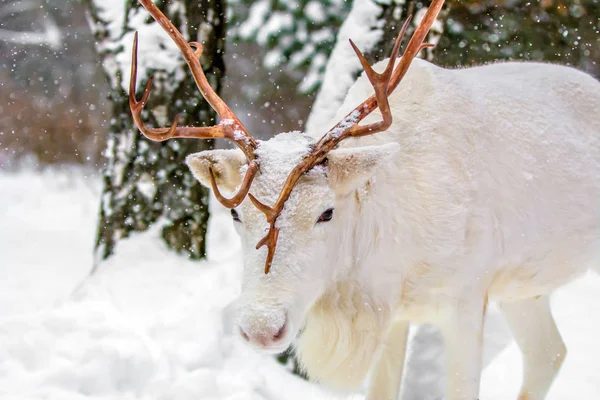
x=384, y=84
x=230, y=127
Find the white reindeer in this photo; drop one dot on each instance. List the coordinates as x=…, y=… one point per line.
x=483, y=185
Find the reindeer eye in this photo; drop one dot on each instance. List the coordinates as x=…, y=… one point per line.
x=235, y=215
x=326, y=216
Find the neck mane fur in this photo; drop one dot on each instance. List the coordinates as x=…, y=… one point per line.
x=342, y=333
x=344, y=328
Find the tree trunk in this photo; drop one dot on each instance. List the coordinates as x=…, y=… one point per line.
x=147, y=182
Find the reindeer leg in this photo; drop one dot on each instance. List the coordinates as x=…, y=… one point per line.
x=463, y=335
x=387, y=374
x=535, y=332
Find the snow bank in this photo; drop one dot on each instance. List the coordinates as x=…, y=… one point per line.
x=47, y=227
x=147, y=325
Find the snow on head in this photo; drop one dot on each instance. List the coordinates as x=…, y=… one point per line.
x=282, y=153
x=284, y=147
x=278, y=157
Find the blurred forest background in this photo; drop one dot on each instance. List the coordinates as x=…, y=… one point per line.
x=53, y=98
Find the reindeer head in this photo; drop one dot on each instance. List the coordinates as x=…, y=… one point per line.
x=292, y=191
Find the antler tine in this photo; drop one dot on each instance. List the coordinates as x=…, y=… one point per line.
x=161, y=134
x=381, y=81
x=230, y=128
x=426, y=46
x=396, y=49
x=270, y=212
x=270, y=239
x=371, y=74
x=156, y=134
x=415, y=44
x=237, y=199
x=272, y=244
x=375, y=78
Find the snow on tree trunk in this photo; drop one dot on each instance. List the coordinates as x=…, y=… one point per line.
x=147, y=182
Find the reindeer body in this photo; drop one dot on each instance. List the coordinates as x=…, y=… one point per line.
x=465, y=186
x=494, y=195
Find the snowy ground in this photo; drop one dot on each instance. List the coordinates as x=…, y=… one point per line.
x=149, y=325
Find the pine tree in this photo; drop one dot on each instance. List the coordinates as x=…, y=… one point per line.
x=565, y=32
x=147, y=182
x=298, y=35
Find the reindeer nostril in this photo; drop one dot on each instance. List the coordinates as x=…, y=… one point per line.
x=280, y=333
x=264, y=336
x=244, y=335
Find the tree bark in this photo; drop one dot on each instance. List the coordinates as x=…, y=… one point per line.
x=147, y=182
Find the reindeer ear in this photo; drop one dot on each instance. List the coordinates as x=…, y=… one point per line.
x=225, y=164
x=349, y=168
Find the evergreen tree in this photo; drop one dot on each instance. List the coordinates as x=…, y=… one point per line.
x=147, y=182
x=298, y=35
x=565, y=32
x=392, y=16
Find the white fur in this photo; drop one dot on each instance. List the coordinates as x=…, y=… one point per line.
x=494, y=194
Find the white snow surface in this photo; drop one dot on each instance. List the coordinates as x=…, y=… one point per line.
x=151, y=325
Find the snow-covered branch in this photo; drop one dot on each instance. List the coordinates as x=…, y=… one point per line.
x=298, y=34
